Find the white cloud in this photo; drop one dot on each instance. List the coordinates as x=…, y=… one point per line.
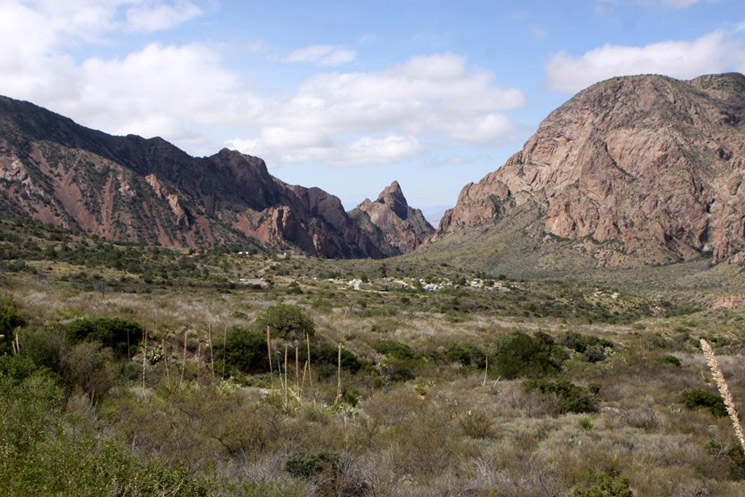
x=187, y=94
x=712, y=53
x=372, y=118
x=322, y=55
x=156, y=16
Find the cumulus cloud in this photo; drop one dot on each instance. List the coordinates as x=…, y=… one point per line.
x=323, y=55
x=186, y=93
x=386, y=113
x=714, y=52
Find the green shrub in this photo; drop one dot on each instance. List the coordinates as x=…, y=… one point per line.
x=523, y=355
x=694, y=399
x=10, y=319
x=573, y=398
x=325, y=357
x=244, y=349
x=397, y=350
x=118, y=334
x=670, y=359
x=304, y=465
x=591, y=347
x=286, y=321
x=466, y=354
x=605, y=485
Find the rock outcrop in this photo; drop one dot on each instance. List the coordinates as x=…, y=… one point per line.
x=131, y=189
x=651, y=165
x=389, y=219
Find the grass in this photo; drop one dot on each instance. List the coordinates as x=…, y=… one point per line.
x=419, y=416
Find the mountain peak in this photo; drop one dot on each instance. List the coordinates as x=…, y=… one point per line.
x=391, y=218
x=637, y=169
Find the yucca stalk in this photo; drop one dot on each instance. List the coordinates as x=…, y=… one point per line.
x=729, y=402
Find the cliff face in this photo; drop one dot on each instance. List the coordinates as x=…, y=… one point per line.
x=390, y=220
x=654, y=165
x=131, y=189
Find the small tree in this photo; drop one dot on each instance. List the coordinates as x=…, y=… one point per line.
x=245, y=350
x=286, y=321
x=118, y=334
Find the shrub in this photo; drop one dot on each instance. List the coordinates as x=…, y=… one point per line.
x=605, y=485
x=591, y=347
x=476, y=424
x=325, y=358
x=397, y=350
x=286, y=321
x=118, y=334
x=573, y=398
x=467, y=354
x=523, y=355
x=670, y=359
x=10, y=319
x=244, y=349
x=307, y=465
x=694, y=399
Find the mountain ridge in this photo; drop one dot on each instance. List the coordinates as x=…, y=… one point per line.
x=637, y=169
x=133, y=189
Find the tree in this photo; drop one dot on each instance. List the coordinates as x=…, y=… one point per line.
x=119, y=334
x=286, y=321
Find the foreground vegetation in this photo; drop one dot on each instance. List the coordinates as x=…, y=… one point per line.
x=139, y=371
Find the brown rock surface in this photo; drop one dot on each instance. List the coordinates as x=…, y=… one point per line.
x=651, y=162
x=401, y=227
x=140, y=190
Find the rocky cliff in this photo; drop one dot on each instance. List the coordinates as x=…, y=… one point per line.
x=644, y=169
x=132, y=189
x=389, y=219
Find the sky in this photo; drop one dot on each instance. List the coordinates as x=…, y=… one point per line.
x=350, y=95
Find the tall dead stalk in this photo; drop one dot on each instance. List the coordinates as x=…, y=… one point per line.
x=212, y=358
x=338, y=377
x=716, y=372
x=269, y=356
x=183, y=364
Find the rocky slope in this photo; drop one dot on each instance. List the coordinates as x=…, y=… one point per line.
x=390, y=221
x=132, y=189
x=642, y=169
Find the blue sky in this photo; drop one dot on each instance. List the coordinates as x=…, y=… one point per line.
x=350, y=95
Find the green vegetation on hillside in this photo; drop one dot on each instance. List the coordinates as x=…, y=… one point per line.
x=394, y=378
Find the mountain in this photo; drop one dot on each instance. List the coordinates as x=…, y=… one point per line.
x=633, y=170
x=131, y=189
x=390, y=221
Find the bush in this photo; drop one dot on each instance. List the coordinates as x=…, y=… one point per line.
x=325, y=358
x=591, y=347
x=286, y=321
x=307, y=465
x=394, y=349
x=466, y=354
x=573, y=398
x=605, y=485
x=245, y=350
x=118, y=334
x=670, y=359
x=694, y=399
x=523, y=355
x=10, y=319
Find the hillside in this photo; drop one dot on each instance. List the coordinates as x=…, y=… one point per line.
x=136, y=190
x=632, y=171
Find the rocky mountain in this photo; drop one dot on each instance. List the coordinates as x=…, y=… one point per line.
x=641, y=169
x=132, y=189
x=389, y=220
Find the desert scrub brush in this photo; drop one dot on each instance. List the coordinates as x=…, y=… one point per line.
x=716, y=372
